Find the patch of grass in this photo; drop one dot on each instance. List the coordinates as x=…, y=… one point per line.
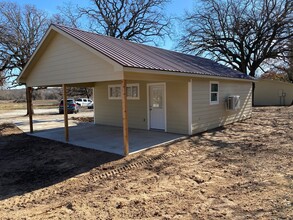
x=37, y=104
x=12, y=106
x=45, y=104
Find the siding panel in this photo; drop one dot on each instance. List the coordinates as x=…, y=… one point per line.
x=177, y=107
x=109, y=112
x=65, y=62
x=206, y=116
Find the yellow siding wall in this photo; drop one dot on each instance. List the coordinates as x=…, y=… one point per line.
x=206, y=116
x=109, y=112
x=65, y=62
x=267, y=92
x=176, y=98
x=177, y=107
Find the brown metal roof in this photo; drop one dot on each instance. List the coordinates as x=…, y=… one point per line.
x=135, y=55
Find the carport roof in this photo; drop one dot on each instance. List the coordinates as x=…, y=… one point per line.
x=134, y=55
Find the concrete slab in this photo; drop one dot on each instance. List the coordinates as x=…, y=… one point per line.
x=108, y=138
x=49, y=124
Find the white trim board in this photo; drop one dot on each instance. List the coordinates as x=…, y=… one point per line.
x=190, y=107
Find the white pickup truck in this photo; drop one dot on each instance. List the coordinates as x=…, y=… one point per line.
x=84, y=102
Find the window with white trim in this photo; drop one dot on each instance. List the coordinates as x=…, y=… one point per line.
x=214, y=93
x=114, y=91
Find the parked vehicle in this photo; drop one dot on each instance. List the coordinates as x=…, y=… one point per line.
x=84, y=102
x=72, y=106
x=91, y=106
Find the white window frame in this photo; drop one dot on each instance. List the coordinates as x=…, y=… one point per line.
x=109, y=91
x=128, y=86
x=133, y=85
x=218, y=93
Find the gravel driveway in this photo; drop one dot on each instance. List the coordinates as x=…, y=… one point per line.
x=42, y=119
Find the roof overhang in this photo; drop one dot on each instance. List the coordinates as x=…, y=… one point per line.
x=193, y=75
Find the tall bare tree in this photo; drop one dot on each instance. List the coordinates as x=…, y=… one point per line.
x=69, y=15
x=136, y=20
x=273, y=75
x=285, y=65
x=79, y=92
x=21, y=29
x=289, y=69
x=239, y=33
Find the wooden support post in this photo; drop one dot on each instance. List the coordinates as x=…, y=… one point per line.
x=29, y=91
x=65, y=113
x=125, y=117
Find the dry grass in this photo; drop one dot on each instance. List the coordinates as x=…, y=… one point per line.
x=37, y=104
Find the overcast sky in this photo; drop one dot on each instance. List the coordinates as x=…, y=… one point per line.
x=174, y=8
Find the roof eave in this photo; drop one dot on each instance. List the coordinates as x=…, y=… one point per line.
x=185, y=74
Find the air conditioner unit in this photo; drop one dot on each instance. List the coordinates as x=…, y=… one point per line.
x=233, y=102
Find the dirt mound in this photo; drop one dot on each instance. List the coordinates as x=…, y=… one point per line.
x=7, y=126
x=83, y=119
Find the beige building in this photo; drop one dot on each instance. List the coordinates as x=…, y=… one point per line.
x=273, y=92
x=166, y=90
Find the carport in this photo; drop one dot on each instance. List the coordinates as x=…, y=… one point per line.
x=63, y=61
x=99, y=137
x=71, y=58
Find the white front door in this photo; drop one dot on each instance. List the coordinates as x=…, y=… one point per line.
x=157, y=106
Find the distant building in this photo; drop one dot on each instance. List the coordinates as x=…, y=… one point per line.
x=273, y=92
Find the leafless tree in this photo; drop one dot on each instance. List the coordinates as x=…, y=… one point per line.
x=289, y=67
x=136, y=20
x=69, y=15
x=273, y=75
x=285, y=64
x=21, y=29
x=239, y=33
x=77, y=92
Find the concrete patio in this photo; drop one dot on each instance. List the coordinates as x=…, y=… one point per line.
x=49, y=124
x=108, y=138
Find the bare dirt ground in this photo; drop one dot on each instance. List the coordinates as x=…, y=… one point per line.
x=241, y=171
